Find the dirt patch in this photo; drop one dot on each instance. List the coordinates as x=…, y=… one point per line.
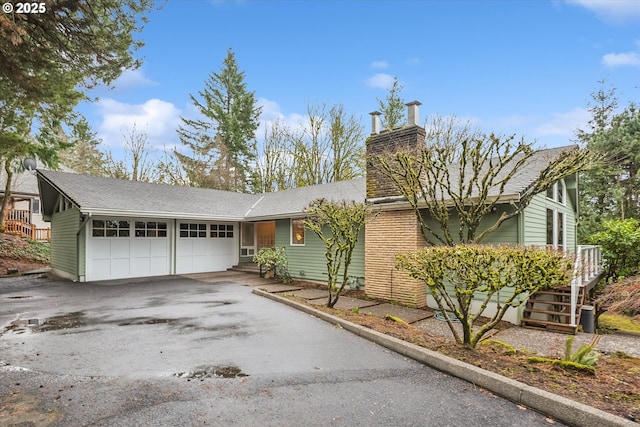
x=614, y=388
x=14, y=253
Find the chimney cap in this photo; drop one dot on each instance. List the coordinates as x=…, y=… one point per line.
x=412, y=113
x=375, y=113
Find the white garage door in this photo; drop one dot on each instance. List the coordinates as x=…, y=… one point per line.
x=205, y=246
x=120, y=248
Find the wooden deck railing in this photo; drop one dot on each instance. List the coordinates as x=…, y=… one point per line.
x=18, y=222
x=588, y=266
x=18, y=215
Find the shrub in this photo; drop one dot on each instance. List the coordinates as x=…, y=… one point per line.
x=456, y=275
x=620, y=241
x=275, y=260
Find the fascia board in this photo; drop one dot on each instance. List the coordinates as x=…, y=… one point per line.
x=402, y=204
x=156, y=214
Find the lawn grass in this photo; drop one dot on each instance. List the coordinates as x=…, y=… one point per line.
x=619, y=322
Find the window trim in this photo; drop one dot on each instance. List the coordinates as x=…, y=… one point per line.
x=291, y=231
x=557, y=186
x=35, y=203
x=556, y=231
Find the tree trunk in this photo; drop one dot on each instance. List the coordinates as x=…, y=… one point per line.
x=7, y=193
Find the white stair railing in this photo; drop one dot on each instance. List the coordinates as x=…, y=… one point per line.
x=587, y=266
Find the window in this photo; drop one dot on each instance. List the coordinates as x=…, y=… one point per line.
x=150, y=229
x=560, y=191
x=63, y=204
x=560, y=231
x=221, y=231
x=110, y=228
x=193, y=230
x=297, y=232
x=550, y=227
x=247, y=239
x=557, y=192
x=35, y=206
x=555, y=229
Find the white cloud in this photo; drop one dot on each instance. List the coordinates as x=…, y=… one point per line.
x=381, y=80
x=379, y=64
x=130, y=79
x=614, y=11
x=564, y=124
x=271, y=113
x=621, y=59
x=158, y=119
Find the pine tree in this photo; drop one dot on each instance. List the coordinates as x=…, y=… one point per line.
x=392, y=108
x=84, y=156
x=221, y=144
x=611, y=190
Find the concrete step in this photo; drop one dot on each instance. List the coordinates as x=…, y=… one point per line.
x=246, y=267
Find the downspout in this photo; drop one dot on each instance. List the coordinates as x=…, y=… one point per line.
x=174, y=245
x=82, y=226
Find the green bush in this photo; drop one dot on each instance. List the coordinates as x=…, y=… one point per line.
x=620, y=242
x=456, y=275
x=275, y=260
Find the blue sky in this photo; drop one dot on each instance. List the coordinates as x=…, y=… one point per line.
x=523, y=67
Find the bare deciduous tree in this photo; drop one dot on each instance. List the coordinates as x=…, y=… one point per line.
x=136, y=165
x=463, y=174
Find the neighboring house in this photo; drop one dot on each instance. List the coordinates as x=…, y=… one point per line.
x=23, y=214
x=104, y=228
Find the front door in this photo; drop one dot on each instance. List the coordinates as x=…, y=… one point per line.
x=255, y=236
x=266, y=234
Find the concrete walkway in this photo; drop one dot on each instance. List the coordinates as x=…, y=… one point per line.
x=563, y=409
x=544, y=343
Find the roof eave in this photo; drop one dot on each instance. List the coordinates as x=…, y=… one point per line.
x=400, y=202
x=159, y=215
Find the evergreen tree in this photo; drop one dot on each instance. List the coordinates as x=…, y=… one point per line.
x=392, y=108
x=84, y=156
x=611, y=190
x=221, y=144
x=88, y=41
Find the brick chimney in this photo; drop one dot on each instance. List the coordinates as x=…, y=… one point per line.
x=410, y=137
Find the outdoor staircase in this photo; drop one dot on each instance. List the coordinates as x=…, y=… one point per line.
x=551, y=310
x=560, y=309
x=246, y=267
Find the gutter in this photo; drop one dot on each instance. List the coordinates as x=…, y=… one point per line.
x=82, y=226
x=162, y=215
x=400, y=202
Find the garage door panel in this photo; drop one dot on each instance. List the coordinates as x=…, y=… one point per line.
x=141, y=246
x=100, y=269
x=120, y=267
x=159, y=264
x=204, y=247
x=120, y=248
x=101, y=249
x=128, y=248
x=159, y=250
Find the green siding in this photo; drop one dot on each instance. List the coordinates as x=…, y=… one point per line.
x=507, y=233
x=535, y=220
x=308, y=261
x=82, y=252
x=64, y=249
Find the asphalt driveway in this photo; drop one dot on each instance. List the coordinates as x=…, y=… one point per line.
x=177, y=351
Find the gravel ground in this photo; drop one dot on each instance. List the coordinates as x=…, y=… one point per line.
x=542, y=342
